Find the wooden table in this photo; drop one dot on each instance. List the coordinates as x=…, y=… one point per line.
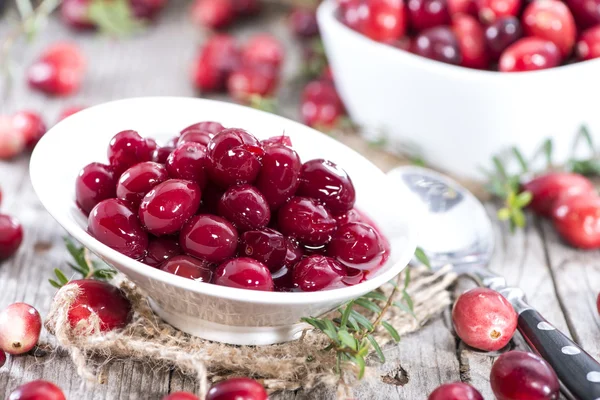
x=561, y=282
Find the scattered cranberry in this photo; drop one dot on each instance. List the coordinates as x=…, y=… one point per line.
x=425, y=14
x=213, y=14
x=385, y=20
x=245, y=83
x=321, y=105
x=588, y=46
x=217, y=59
x=139, y=180
x=59, y=71
x=440, y=44
x=2, y=358
x=263, y=50
x=188, y=161
x=529, y=54
x=188, y=267
x=551, y=20
x=11, y=236
x=37, y=390
x=279, y=176
x=303, y=22
x=468, y=7
x=491, y=10
x=238, y=389
x=12, y=142
x=307, y=221
x=502, y=33
x=586, y=12
x=577, y=220
x=455, y=391
x=75, y=13
x=267, y=246
x=128, y=148
x=548, y=188
x=357, y=245
x=244, y=273
x=161, y=249
x=318, y=273
x=209, y=237
x=67, y=112
x=181, y=396
x=471, y=41
x=31, y=126
x=20, y=327
x=95, y=182
x=522, y=375
x=324, y=181
x=245, y=207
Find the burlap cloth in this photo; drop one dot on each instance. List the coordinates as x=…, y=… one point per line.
x=301, y=363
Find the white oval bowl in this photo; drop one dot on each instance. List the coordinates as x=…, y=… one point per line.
x=209, y=311
x=456, y=117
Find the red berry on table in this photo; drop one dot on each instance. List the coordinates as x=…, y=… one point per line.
x=20, y=327
x=502, y=33
x=529, y=54
x=209, y=237
x=68, y=111
x=588, y=45
x=484, y=319
x=306, y=220
x=11, y=236
x=161, y=249
x=37, y=390
x=181, y=396
x=523, y=375
x=139, y=180
x=245, y=207
x=548, y=188
x=491, y=10
x=586, y=12
x=455, y=391
x=59, y=70
x=321, y=105
x=244, y=273
x=188, y=161
x=462, y=7
x=471, y=41
x=577, y=220
x=12, y=142
x=95, y=182
x=128, y=148
x=303, y=22
x=213, y=14
x=267, y=246
x=75, y=14
x=188, y=267
x=245, y=83
x=357, y=245
x=263, y=50
x=424, y=14
x=279, y=176
x=2, y=358
x=440, y=44
x=551, y=20
x=319, y=273
x=385, y=21
x=31, y=126
x=216, y=60
x=237, y=388
x=324, y=181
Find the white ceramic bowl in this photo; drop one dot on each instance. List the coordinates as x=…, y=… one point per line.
x=457, y=117
x=213, y=312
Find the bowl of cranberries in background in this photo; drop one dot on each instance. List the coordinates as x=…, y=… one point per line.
x=237, y=223
x=458, y=81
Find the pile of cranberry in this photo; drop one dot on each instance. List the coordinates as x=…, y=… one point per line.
x=218, y=205
x=504, y=35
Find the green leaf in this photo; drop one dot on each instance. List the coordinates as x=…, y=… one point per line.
x=346, y=315
x=519, y=156
x=404, y=308
x=548, y=149
x=78, y=269
x=408, y=300
x=376, y=296
x=503, y=214
x=353, y=323
x=347, y=339
x=500, y=170
x=523, y=199
x=518, y=218
x=360, y=363
x=316, y=323
x=391, y=330
x=330, y=330
x=61, y=277
x=377, y=348
x=369, y=305
x=77, y=253
x=114, y=17
x=55, y=284
x=362, y=320
x=422, y=257
x=407, y=278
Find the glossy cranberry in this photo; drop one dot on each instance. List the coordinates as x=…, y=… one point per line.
x=502, y=33
x=181, y=396
x=455, y=391
x=279, y=176
x=588, y=46
x=307, y=221
x=210, y=199
x=294, y=253
x=139, y=180
x=484, y=319
x=20, y=327
x=244, y=84
x=354, y=277
x=205, y=126
x=75, y=14
x=318, y=272
x=548, y=188
x=586, y=12
x=491, y=10
x=128, y=148
x=551, y=20
x=263, y=50
x=37, y=390
x=282, y=140
x=468, y=7
x=2, y=358
x=267, y=246
x=425, y=14
x=234, y=157
x=440, y=44
x=217, y=59
x=113, y=223
x=386, y=20
x=529, y=54
x=244, y=273
x=523, y=375
x=471, y=41
x=59, y=70
x=245, y=207
x=169, y=205
x=12, y=142
x=31, y=126
x=11, y=236
x=303, y=22
x=188, y=267
x=106, y=301
x=68, y=111
x=357, y=245
x=161, y=154
x=324, y=181
x=188, y=161
x=95, y=182
x=213, y=14
x=195, y=136
x=238, y=389
x=321, y=105
x=161, y=249
x=577, y=220
x=209, y=237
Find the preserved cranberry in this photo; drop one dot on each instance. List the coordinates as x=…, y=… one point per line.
x=551, y=20
x=318, y=273
x=2, y=358
x=169, y=205
x=471, y=41
x=217, y=59
x=529, y=54
x=245, y=207
x=522, y=375
x=438, y=44
x=502, y=33
x=238, y=389
x=491, y=10
x=31, y=126
x=303, y=22
x=547, y=189
x=321, y=105
x=37, y=390
x=455, y=391
x=95, y=182
x=113, y=223
x=263, y=50
x=106, y=301
x=425, y=14
x=188, y=161
x=357, y=245
x=244, y=273
x=188, y=267
x=324, y=181
x=267, y=246
x=213, y=14
x=468, y=7
x=205, y=126
x=126, y=149
x=282, y=140
x=577, y=220
x=195, y=136
x=20, y=327
x=307, y=221
x=181, y=396
x=279, y=176
x=161, y=154
x=586, y=12
x=588, y=46
x=210, y=199
x=385, y=21
x=354, y=277
x=249, y=82
x=59, y=71
x=352, y=215
x=138, y=180
x=209, y=237
x=294, y=252
x=234, y=157
x=11, y=236
x=161, y=249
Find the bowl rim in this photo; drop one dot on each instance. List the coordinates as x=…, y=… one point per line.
x=37, y=172
x=327, y=20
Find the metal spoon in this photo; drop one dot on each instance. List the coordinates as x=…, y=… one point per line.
x=456, y=230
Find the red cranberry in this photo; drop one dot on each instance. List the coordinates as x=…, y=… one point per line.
x=588, y=46
x=471, y=41
x=161, y=154
x=205, y=126
x=484, y=319
x=462, y=7
x=353, y=13
x=303, y=22
x=267, y=246
x=181, y=396
x=146, y=9
x=238, y=389
x=357, y=245
x=352, y=215
x=209, y=237
x=217, y=59
x=586, y=12
x=245, y=83
x=75, y=13
x=455, y=391
x=324, y=181
x=213, y=14
x=128, y=148
x=263, y=50
x=95, y=182
x=161, y=249
x=169, y=205
x=425, y=14
x=279, y=176
x=11, y=236
x=548, y=188
x=195, y=136
x=502, y=33
x=37, y=390
x=106, y=301
x=188, y=161
x=440, y=44
x=245, y=207
x=385, y=20
x=139, y=180
x=59, y=71
x=522, y=375
x=529, y=54
x=31, y=126
x=577, y=220
x=2, y=358
x=12, y=142
x=113, y=223
x=354, y=277
x=68, y=111
x=234, y=157
x=282, y=140
x=551, y=20
x=491, y=10
x=246, y=7
x=318, y=273
x=20, y=327
x=307, y=221
x=294, y=253
x=188, y=267
x=244, y=273
x=321, y=105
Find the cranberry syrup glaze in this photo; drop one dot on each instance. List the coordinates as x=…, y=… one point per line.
x=217, y=205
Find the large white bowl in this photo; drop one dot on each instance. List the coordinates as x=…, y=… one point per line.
x=213, y=312
x=457, y=117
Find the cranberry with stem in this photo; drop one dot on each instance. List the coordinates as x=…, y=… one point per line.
x=20, y=327
x=237, y=388
x=440, y=44
x=548, y=188
x=279, y=176
x=244, y=273
x=588, y=45
x=357, y=245
x=31, y=126
x=529, y=54
x=138, y=180
x=37, y=390
x=267, y=246
x=318, y=272
x=306, y=220
x=551, y=20
x=502, y=33
x=188, y=267
x=577, y=220
x=11, y=236
x=324, y=181
x=455, y=391
x=128, y=148
x=209, y=237
x=161, y=249
x=426, y=14
x=188, y=161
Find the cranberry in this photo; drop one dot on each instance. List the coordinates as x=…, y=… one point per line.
x=244, y=273
x=2, y=358
x=234, y=157
x=307, y=221
x=37, y=390
x=279, y=176
x=161, y=249
x=139, y=180
x=217, y=59
x=188, y=267
x=128, y=148
x=146, y=9
x=324, y=181
x=31, y=126
x=113, y=223
x=551, y=20
x=75, y=13
x=106, y=301
x=425, y=14
x=440, y=44
x=68, y=111
x=471, y=41
x=491, y=10
x=169, y=205
x=210, y=127
x=267, y=246
x=462, y=7
x=213, y=14
x=188, y=161
x=59, y=71
x=548, y=188
x=209, y=237
x=263, y=50
x=20, y=327
x=195, y=136
x=210, y=199
x=353, y=13
x=588, y=46
x=95, y=182
x=245, y=83
x=321, y=105
x=282, y=140
x=484, y=319
x=318, y=272
x=455, y=391
x=245, y=207
x=586, y=12
x=294, y=253
x=577, y=220
x=385, y=20
x=352, y=215
x=237, y=388
x=354, y=277
x=12, y=142
x=11, y=236
x=303, y=22
x=529, y=54
x=357, y=245
x=161, y=154
x=246, y=7
x=502, y=33
x=181, y=396
x=522, y=375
